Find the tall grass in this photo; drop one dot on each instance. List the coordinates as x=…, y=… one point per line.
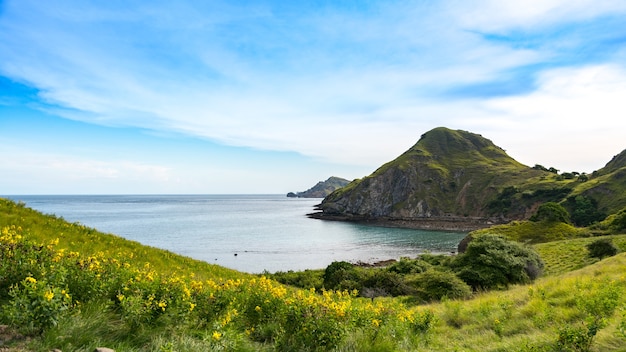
x=73, y=288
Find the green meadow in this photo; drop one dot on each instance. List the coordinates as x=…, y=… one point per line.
x=69, y=287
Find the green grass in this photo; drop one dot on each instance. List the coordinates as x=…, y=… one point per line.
x=567, y=255
x=536, y=232
x=575, y=291
x=79, y=238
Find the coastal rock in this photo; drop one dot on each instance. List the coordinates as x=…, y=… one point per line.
x=449, y=176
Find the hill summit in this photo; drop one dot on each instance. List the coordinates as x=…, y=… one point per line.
x=450, y=179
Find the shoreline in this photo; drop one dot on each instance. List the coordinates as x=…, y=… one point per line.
x=456, y=224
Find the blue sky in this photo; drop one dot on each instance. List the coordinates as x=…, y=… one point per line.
x=209, y=96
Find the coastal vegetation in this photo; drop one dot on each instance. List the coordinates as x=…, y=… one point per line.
x=69, y=287
x=461, y=180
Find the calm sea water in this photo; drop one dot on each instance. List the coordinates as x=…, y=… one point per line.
x=249, y=233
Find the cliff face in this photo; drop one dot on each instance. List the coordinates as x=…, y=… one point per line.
x=452, y=179
x=448, y=175
x=321, y=189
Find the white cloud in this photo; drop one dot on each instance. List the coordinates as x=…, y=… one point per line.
x=496, y=15
x=575, y=118
x=351, y=89
x=38, y=172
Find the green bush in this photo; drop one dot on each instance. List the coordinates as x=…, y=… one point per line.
x=304, y=279
x=433, y=285
x=584, y=210
x=602, y=248
x=386, y=283
x=618, y=221
x=409, y=266
x=551, y=212
x=491, y=261
x=342, y=276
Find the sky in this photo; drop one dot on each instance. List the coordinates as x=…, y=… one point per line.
x=269, y=97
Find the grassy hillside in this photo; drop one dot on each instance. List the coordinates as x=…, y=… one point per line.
x=73, y=288
x=452, y=175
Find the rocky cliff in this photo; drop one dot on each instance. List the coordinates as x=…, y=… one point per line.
x=449, y=177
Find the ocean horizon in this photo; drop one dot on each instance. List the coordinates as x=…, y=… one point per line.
x=251, y=233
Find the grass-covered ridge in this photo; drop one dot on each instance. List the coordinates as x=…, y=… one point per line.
x=74, y=288
x=454, y=175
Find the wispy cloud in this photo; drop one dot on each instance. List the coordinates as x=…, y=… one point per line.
x=346, y=84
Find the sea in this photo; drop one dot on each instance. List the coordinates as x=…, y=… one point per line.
x=248, y=233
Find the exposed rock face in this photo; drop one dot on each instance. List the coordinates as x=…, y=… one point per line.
x=448, y=175
x=321, y=189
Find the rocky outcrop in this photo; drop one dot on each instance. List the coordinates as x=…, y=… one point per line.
x=449, y=176
x=321, y=189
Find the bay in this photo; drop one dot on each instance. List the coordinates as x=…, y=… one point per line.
x=249, y=233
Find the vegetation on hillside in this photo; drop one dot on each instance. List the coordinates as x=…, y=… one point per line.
x=73, y=288
x=458, y=174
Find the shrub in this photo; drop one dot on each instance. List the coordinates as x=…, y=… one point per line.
x=491, y=261
x=35, y=305
x=551, y=212
x=384, y=281
x=584, y=210
x=434, y=285
x=618, y=221
x=341, y=276
x=304, y=279
x=407, y=266
x=602, y=248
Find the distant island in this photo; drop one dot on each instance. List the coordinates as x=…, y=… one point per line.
x=321, y=189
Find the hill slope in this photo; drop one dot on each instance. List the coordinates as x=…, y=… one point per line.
x=453, y=179
x=448, y=175
x=607, y=185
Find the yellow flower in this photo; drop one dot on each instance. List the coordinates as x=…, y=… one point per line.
x=162, y=305
x=48, y=295
x=216, y=335
x=120, y=297
x=257, y=308
x=31, y=279
x=191, y=306
x=376, y=322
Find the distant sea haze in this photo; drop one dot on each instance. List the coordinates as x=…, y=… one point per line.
x=249, y=233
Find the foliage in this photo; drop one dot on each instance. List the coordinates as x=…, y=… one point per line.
x=551, y=212
x=534, y=232
x=583, y=210
x=602, y=248
x=596, y=303
x=616, y=223
x=434, y=285
x=386, y=282
x=173, y=306
x=408, y=266
x=36, y=305
x=567, y=255
x=491, y=261
x=342, y=275
x=503, y=201
x=304, y=279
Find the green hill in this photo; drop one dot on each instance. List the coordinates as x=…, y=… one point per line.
x=460, y=180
